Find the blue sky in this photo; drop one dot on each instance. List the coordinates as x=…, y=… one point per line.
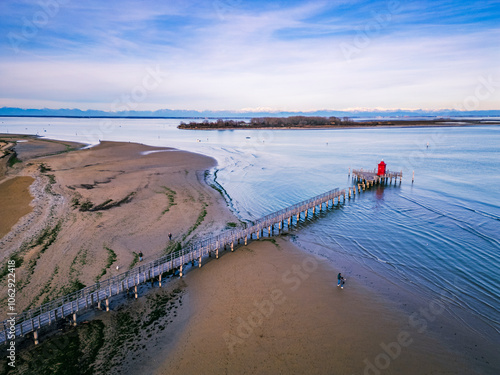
x=238, y=54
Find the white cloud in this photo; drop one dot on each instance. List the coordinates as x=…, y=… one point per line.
x=245, y=60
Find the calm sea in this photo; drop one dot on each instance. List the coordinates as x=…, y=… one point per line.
x=436, y=240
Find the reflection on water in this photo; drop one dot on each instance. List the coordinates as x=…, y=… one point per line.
x=379, y=193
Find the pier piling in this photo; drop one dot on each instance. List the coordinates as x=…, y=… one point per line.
x=100, y=293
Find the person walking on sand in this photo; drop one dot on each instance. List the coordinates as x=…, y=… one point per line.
x=339, y=277
x=140, y=256
x=342, y=282
x=170, y=236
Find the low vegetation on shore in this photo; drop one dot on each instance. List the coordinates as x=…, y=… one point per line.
x=266, y=122
x=107, y=344
x=305, y=122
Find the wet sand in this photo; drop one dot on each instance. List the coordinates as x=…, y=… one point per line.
x=271, y=309
x=15, y=196
x=30, y=147
x=15, y=199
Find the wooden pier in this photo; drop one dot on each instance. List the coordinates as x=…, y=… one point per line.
x=98, y=295
x=364, y=179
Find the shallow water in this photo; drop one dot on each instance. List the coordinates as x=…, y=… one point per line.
x=437, y=237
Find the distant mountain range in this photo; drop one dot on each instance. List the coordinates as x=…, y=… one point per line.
x=171, y=113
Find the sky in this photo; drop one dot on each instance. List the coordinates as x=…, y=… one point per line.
x=250, y=55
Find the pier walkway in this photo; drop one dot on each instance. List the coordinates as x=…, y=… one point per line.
x=98, y=295
x=367, y=178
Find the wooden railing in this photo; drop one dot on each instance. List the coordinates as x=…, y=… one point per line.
x=72, y=304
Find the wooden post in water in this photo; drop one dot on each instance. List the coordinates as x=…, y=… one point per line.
x=232, y=246
x=246, y=238
x=217, y=253
x=180, y=270
x=199, y=261
x=107, y=304
x=159, y=280
x=314, y=210
x=35, y=337
x=413, y=177
x=305, y=214
x=136, y=294
x=74, y=319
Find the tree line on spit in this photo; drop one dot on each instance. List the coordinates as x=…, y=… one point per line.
x=268, y=122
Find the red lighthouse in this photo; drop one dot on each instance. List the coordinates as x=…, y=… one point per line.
x=381, y=168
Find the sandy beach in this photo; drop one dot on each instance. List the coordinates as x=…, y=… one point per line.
x=266, y=308
x=94, y=210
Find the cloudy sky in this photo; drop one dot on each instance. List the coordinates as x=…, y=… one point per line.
x=241, y=54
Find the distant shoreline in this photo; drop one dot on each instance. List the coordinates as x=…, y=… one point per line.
x=374, y=118
x=132, y=117
x=351, y=125
x=347, y=127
